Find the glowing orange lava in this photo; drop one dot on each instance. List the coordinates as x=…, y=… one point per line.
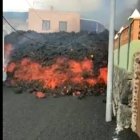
x=62, y=71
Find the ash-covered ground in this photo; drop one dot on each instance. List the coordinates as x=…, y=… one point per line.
x=64, y=118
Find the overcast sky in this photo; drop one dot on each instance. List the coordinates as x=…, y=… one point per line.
x=15, y=5
x=22, y=5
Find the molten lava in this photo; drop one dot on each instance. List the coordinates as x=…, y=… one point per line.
x=63, y=71
x=7, y=52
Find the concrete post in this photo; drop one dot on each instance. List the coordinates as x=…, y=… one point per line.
x=110, y=62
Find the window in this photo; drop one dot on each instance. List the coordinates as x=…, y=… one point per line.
x=46, y=25
x=62, y=26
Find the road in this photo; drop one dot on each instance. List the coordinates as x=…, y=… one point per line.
x=63, y=118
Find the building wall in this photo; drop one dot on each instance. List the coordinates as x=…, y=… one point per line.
x=123, y=53
x=123, y=56
x=91, y=26
x=35, y=22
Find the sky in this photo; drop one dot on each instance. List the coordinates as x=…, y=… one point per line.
x=84, y=5
x=16, y=5
x=22, y=5
x=91, y=9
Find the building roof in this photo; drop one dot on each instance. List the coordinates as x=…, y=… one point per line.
x=135, y=15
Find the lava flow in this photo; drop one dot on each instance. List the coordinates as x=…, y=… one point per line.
x=72, y=66
x=58, y=74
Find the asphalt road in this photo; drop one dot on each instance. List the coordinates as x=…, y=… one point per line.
x=64, y=118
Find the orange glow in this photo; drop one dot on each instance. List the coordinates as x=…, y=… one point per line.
x=10, y=67
x=103, y=75
x=7, y=50
x=62, y=71
x=40, y=95
x=92, y=81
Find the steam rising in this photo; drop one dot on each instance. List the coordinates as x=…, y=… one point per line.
x=123, y=12
x=138, y=5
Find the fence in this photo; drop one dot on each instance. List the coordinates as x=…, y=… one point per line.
x=126, y=44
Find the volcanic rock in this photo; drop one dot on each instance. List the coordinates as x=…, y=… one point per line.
x=58, y=62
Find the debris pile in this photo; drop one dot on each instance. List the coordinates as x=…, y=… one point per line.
x=58, y=63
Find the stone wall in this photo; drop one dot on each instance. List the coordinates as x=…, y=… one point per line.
x=125, y=95
x=122, y=97
x=136, y=92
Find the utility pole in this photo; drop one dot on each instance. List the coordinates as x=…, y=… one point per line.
x=4, y=73
x=110, y=62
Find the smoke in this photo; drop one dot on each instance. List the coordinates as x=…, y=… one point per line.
x=72, y=5
x=91, y=9
x=81, y=5
x=95, y=9
x=130, y=3
x=138, y=5
x=124, y=10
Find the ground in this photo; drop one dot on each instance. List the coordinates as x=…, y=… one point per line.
x=64, y=118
